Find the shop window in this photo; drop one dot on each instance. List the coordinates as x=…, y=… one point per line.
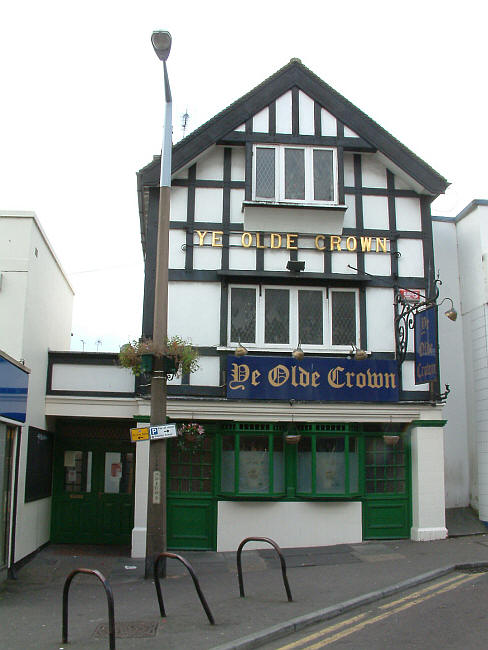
x=327, y=466
x=282, y=316
x=283, y=173
x=252, y=465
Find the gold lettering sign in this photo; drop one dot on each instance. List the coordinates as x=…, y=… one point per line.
x=275, y=240
x=293, y=241
x=217, y=238
x=278, y=375
x=239, y=375
x=368, y=379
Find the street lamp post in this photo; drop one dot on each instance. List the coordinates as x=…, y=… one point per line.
x=156, y=497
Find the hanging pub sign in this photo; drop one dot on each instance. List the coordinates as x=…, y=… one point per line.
x=425, y=327
x=313, y=378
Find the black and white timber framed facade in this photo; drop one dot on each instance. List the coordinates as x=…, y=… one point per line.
x=293, y=172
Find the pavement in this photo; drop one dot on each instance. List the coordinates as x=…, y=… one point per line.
x=324, y=582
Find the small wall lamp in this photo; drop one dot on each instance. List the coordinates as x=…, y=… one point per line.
x=357, y=353
x=298, y=353
x=240, y=350
x=450, y=313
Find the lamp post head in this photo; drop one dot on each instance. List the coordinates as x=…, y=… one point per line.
x=161, y=42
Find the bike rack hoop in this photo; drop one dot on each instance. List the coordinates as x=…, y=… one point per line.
x=193, y=576
x=280, y=555
x=110, y=602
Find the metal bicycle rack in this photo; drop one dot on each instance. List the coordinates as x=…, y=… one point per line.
x=110, y=602
x=280, y=554
x=195, y=582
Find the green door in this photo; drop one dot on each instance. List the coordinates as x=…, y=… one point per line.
x=387, y=503
x=93, y=492
x=191, y=513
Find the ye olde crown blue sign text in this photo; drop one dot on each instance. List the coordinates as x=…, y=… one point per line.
x=313, y=378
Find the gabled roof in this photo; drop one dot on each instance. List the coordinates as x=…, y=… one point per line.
x=295, y=74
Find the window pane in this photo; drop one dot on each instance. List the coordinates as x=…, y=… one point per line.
x=353, y=465
x=323, y=180
x=228, y=465
x=343, y=317
x=77, y=471
x=385, y=467
x=277, y=316
x=265, y=173
x=330, y=465
x=295, y=174
x=243, y=315
x=304, y=465
x=278, y=465
x=254, y=464
x=119, y=469
x=310, y=317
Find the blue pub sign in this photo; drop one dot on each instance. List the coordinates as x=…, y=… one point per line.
x=425, y=327
x=314, y=378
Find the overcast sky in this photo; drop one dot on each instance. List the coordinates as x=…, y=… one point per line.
x=82, y=99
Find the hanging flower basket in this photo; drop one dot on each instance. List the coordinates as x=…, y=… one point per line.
x=191, y=437
x=179, y=356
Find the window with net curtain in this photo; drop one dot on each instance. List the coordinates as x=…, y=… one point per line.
x=287, y=315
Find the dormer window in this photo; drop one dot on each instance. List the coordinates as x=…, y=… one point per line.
x=294, y=174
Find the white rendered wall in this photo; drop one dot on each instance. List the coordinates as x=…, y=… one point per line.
x=380, y=319
x=452, y=369
x=428, y=503
x=321, y=523
x=208, y=373
x=43, y=323
x=194, y=312
x=81, y=377
x=472, y=242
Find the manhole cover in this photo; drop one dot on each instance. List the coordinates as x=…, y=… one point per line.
x=128, y=630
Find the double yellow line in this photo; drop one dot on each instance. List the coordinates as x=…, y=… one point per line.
x=356, y=623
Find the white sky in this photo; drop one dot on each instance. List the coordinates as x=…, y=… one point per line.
x=82, y=102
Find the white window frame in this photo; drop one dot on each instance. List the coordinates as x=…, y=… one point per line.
x=280, y=174
x=293, y=340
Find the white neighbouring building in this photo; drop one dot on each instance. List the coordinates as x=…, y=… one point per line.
x=461, y=251
x=35, y=306
x=296, y=221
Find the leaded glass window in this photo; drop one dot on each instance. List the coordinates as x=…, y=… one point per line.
x=323, y=179
x=311, y=317
x=265, y=172
x=277, y=316
x=243, y=315
x=294, y=173
x=343, y=317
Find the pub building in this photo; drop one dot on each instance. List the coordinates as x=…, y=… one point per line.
x=299, y=228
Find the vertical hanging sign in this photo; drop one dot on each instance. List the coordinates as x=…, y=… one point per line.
x=426, y=346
